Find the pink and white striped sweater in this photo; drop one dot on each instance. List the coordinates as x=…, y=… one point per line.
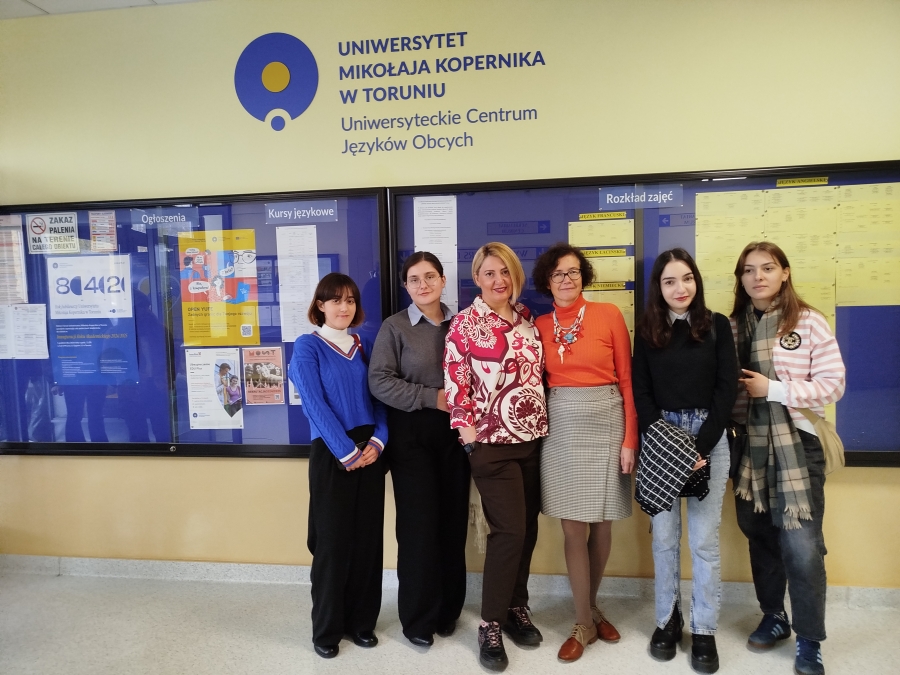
x=811, y=374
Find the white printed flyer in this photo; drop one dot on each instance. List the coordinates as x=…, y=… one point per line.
x=214, y=388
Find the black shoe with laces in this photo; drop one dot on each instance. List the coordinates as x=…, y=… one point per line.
x=520, y=629
x=662, y=644
x=490, y=646
x=704, y=657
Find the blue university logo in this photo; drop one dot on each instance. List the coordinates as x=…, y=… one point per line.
x=276, y=78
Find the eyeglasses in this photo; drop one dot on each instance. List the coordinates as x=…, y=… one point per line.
x=245, y=257
x=430, y=279
x=557, y=277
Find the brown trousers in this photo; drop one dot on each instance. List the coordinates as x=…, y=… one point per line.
x=508, y=478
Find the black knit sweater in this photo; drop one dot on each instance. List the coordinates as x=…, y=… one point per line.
x=687, y=374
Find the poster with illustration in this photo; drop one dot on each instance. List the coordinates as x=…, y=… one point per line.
x=263, y=376
x=219, y=287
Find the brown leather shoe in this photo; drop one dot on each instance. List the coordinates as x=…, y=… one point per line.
x=573, y=648
x=605, y=630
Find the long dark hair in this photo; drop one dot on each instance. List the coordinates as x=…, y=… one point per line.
x=654, y=326
x=791, y=304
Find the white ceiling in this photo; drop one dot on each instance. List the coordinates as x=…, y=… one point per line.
x=16, y=9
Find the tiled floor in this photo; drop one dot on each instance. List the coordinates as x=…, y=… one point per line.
x=65, y=625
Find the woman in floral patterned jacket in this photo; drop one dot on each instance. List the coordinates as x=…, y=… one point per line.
x=493, y=370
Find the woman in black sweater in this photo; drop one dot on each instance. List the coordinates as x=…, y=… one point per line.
x=685, y=372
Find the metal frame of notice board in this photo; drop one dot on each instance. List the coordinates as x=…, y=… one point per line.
x=159, y=323
x=526, y=233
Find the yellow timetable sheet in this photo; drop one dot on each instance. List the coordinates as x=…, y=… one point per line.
x=868, y=245
x=602, y=233
x=843, y=242
x=624, y=300
x=868, y=281
x=739, y=203
x=613, y=268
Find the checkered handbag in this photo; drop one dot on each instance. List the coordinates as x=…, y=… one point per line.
x=666, y=461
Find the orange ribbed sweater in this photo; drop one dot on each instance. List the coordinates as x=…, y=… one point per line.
x=602, y=355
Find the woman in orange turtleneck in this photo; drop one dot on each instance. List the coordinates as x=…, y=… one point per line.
x=588, y=457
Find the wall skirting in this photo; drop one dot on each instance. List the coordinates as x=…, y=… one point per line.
x=852, y=597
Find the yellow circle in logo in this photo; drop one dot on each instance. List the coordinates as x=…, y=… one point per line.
x=276, y=77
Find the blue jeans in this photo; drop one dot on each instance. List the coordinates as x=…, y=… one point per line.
x=703, y=519
x=791, y=558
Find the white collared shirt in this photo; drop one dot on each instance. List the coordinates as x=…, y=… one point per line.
x=416, y=315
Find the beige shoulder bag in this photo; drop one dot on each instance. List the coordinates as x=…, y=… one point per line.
x=832, y=445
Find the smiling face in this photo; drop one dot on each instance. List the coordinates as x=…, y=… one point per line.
x=339, y=312
x=678, y=286
x=424, y=285
x=566, y=290
x=494, y=280
x=762, y=278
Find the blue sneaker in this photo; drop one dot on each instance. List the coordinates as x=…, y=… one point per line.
x=771, y=629
x=809, y=658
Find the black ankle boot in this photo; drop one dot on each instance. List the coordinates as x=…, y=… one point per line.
x=704, y=657
x=662, y=644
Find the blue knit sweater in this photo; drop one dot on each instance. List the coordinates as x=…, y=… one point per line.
x=334, y=389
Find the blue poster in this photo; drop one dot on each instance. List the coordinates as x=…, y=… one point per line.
x=93, y=351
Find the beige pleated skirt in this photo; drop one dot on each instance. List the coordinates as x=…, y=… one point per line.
x=581, y=473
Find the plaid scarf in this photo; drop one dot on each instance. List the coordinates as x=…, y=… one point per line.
x=774, y=455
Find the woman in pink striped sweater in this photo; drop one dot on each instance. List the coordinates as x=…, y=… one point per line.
x=790, y=360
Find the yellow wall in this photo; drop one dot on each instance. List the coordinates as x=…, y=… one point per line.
x=140, y=103
x=254, y=511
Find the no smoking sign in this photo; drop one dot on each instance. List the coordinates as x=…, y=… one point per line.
x=53, y=233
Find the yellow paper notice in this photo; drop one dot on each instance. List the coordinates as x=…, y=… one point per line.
x=602, y=233
x=740, y=203
x=613, y=269
x=624, y=300
x=862, y=282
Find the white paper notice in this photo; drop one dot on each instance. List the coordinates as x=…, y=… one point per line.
x=293, y=394
x=23, y=332
x=13, y=284
x=7, y=336
x=103, y=231
x=212, y=377
x=434, y=227
x=298, y=275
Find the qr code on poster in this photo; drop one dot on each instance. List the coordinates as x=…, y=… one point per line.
x=246, y=330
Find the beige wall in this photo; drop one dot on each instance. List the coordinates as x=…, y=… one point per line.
x=254, y=511
x=139, y=103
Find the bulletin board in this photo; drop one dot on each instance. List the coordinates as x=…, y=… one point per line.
x=164, y=327
x=839, y=226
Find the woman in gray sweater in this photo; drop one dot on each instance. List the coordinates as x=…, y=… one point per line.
x=428, y=466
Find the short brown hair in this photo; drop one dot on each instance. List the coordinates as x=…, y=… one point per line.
x=332, y=287
x=421, y=256
x=549, y=259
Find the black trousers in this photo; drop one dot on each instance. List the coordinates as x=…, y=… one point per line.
x=508, y=478
x=430, y=473
x=346, y=525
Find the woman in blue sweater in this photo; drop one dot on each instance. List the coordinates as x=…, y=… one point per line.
x=346, y=477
